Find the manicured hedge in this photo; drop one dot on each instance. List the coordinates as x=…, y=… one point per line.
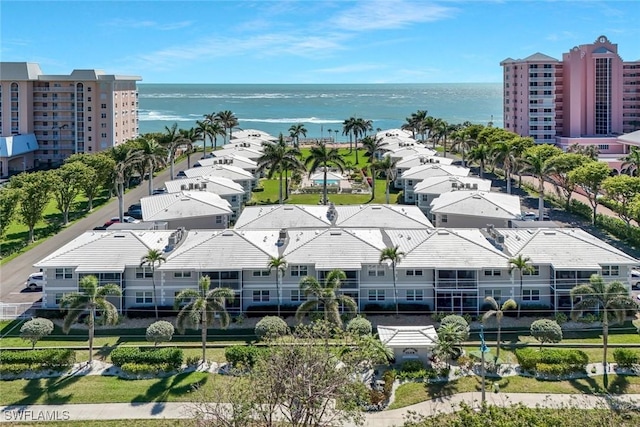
x=243, y=356
x=172, y=357
x=45, y=358
x=146, y=368
x=552, y=361
x=626, y=357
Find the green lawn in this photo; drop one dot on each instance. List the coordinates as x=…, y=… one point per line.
x=411, y=393
x=56, y=391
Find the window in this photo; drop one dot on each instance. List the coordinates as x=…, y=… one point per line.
x=234, y=199
x=530, y=295
x=103, y=115
x=492, y=272
x=297, y=296
x=260, y=296
x=603, y=146
x=182, y=274
x=143, y=273
x=425, y=197
x=88, y=108
x=144, y=297
x=444, y=218
x=103, y=105
x=299, y=270
x=89, y=118
x=410, y=182
x=103, y=135
x=89, y=128
x=58, y=298
x=375, y=270
x=535, y=272
x=610, y=270
x=218, y=219
x=261, y=273
x=414, y=272
x=64, y=273
x=88, y=99
x=376, y=294
x=496, y=294
x=415, y=294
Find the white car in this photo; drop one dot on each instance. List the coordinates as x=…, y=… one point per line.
x=35, y=281
x=635, y=279
x=127, y=219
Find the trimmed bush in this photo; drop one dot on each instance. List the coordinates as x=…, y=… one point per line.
x=243, y=356
x=151, y=356
x=567, y=360
x=626, y=357
x=412, y=366
x=160, y=331
x=36, y=329
x=359, y=326
x=270, y=327
x=44, y=358
x=460, y=323
x=146, y=368
x=50, y=313
x=545, y=330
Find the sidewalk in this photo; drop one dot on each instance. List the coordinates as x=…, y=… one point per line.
x=176, y=410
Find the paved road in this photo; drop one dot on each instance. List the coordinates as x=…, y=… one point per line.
x=174, y=410
x=14, y=273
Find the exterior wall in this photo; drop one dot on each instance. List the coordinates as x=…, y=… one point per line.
x=208, y=222
x=405, y=354
x=468, y=221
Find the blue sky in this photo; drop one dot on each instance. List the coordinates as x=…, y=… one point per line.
x=306, y=41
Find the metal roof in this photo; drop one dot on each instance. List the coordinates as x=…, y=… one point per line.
x=185, y=204
x=420, y=159
x=234, y=173
x=434, y=169
x=477, y=203
x=214, y=184
x=444, y=184
x=408, y=336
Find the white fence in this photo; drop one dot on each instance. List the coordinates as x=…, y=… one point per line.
x=16, y=311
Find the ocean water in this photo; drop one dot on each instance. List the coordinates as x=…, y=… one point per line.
x=274, y=108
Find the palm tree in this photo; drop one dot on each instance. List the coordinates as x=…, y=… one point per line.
x=189, y=138
x=153, y=155
x=394, y=255
x=417, y=119
x=498, y=311
x=611, y=298
x=360, y=128
x=388, y=165
x=503, y=153
x=373, y=147
x=523, y=265
x=322, y=157
x=202, y=128
x=92, y=297
x=154, y=258
x=280, y=265
x=171, y=141
x=126, y=159
x=480, y=154
x=537, y=160
x=463, y=142
x=631, y=162
x=450, y=338
x=198, y=309
x=277, y=157
x=216, y=129
x=326, y=296
x=298, y=129
x=347, y=129
x=426, y=126
x=228, y=120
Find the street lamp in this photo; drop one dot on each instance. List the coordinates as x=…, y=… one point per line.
x=336, y=131
x=483, y=350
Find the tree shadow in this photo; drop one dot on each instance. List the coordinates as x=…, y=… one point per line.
x=439, y=390
x=177, y=385
x=586, y=385
x=50, y=391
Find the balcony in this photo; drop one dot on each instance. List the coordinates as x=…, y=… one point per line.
x=457, y=284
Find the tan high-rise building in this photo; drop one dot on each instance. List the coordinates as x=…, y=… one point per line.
x=46, y=118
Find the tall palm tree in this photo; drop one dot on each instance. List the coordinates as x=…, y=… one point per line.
x=480, y=154
x=322, y=157
x=612, y=299
x=347, y=129
x=277, y=157
x=425, y=127
x=326, y=296
x=228, y=120
x=360, y=128
x=171, y=141
x=631, y=162
x=216, y=129
x=126, y=159
x=154, y=258
x=279, y=264
x=463, y=142
x=296, y=130
x=418, y=121
x=537, y=160
x=153, y=155
x=503, y=153
x=523, y=265
x=198, y=309
x=189, y=138
x=388, y=165
x=202, y=128
x=373, y=146
x=498, y=311
x=92, y=297
x=394, y=255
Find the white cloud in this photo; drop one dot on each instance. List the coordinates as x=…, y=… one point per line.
x=384, y=14
x=135, y=23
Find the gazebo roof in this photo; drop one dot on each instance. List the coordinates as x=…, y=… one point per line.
x=408, y=336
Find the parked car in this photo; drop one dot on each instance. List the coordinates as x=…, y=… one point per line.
x=159, y=191
x=135, y=211
x=35, y=281
x=635, y=279
x=126, y=218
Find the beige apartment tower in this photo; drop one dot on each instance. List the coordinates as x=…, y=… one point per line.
x=46, y=118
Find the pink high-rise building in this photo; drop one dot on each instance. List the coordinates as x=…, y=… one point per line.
x=46, y=118
x=590, y=97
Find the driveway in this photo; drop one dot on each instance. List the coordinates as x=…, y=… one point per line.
x=14, y=273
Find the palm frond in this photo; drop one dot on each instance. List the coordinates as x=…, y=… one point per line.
x=306, y=307
x=109, y=289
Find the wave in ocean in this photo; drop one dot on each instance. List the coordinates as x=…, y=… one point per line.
x=149, y=116
x=293, y=120
x=243, y=95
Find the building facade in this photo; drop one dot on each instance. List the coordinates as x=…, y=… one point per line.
x=83, y=112
x=590, y=97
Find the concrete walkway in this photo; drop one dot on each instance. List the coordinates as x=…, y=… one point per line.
x=175, y=410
